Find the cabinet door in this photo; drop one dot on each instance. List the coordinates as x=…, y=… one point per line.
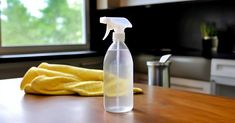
x=223, y=68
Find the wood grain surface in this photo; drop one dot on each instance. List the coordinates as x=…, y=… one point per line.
x=158, y=105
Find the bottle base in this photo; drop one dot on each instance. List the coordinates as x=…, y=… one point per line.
x=118, y=109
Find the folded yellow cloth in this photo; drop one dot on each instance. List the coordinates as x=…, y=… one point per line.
x=58, y=79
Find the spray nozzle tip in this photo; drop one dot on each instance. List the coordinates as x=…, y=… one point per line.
x=118, y=24
x=103, y=20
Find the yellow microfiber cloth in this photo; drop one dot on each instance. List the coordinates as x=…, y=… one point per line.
x=58, y=79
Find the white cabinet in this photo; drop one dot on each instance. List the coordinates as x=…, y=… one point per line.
x=222, y=74
x=223, y=71
x=223, y=67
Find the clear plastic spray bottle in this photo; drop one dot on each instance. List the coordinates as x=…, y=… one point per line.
x=118, y=68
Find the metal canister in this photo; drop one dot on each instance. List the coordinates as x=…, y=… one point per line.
x=159, y=73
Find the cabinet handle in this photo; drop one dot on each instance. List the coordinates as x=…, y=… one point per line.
x=226, y=67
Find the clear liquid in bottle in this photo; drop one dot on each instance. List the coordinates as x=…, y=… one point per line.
x=118, y=79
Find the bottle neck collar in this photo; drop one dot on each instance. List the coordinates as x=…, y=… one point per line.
x=118, y=36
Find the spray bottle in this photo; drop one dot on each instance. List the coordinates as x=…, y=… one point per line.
x=118, y=68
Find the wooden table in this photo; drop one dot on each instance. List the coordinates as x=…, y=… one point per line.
x=157, y=105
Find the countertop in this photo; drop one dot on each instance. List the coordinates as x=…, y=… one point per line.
x=159, y=105
x=46, y=56
x=189, y=53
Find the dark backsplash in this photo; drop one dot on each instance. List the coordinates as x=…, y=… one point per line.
x=174, y=26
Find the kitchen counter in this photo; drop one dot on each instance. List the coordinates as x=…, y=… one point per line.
x=46, y=56
x=155, y=105
x=188, y=53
